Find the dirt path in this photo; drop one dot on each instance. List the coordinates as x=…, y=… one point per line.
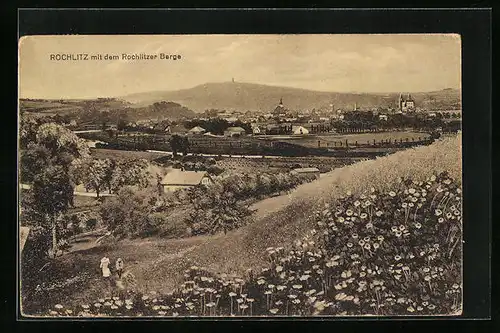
x=270, y=205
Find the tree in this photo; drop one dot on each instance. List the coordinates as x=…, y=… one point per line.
x=159, y=186
x=28, y=127
x=216, y=209
x=121, y=124
x=52, y=195
x=32, y=160
x=184, y=148
x=93, y=173
x=64, y=146
x=52, y=189
x=100, y=174
x=135, y=173
x=104, y=118
x=175, y=143
x=130, y=213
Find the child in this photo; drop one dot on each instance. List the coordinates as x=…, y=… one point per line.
x=119, y=267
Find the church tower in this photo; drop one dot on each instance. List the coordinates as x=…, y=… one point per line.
x=401, y=103
x=279, y=109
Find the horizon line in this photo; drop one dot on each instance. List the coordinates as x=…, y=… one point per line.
x=242, y=82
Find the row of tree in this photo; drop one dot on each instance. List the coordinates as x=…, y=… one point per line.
x=366, y=120
x=108, y=174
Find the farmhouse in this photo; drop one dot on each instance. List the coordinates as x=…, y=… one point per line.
x=197, y=130
x=299, y=130
x=180, y=179
x=234, y=131
x=306, y=171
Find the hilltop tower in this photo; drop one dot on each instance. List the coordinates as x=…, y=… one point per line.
x=281, y=102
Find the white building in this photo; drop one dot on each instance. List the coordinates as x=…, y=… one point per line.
x=299, y=130
x=234, y=131
x=180, y=179
x=256, y=129
x=197, y=130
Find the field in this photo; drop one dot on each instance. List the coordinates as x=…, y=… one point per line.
x=324, y=164
x=48, y=107
x=125, y=154
x=67, y=106
x=353, y=139
x=239, y=164
x=158, y=264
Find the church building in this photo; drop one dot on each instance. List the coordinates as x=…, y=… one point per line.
x=279, y=110
x=406, y=104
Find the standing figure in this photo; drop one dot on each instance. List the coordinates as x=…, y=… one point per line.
x=119, y=267
x=106, y=273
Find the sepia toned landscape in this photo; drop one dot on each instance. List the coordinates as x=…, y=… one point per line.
x=240, y=175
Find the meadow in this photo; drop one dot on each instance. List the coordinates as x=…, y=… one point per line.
x=178, y=272
x=335, y=140
x=124, y=154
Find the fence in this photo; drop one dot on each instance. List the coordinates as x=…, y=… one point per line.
x=389, y=143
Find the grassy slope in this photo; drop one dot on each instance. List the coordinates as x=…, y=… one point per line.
x=382, y=174
x=158, y=263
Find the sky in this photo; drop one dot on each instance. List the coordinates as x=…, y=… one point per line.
x=334, y=63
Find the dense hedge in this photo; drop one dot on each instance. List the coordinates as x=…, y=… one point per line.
x=221, y=207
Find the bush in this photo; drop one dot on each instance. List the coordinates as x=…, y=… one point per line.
x=215, y=170
x=216, y=209
x=220, y=207
x=168, y=226
x=128, y=213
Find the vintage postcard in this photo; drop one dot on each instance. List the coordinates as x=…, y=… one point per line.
x=240, y=175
